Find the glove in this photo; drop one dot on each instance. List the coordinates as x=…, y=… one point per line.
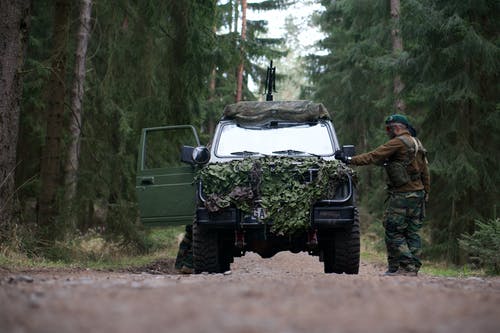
x=339, y=155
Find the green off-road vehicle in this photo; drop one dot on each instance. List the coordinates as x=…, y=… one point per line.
x=268, y=183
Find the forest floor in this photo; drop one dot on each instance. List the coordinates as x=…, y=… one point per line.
x=287, y=293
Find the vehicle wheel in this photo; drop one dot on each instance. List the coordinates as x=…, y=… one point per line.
x=328, y=256
x=347, y=248
x=205, y=250
x=225, y=254
x=340, y=252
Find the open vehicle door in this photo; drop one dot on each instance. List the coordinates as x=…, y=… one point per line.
x=164, y=185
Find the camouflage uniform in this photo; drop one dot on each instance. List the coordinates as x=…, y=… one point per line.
x=405, y=204
x=402, y=222
x=184, y=260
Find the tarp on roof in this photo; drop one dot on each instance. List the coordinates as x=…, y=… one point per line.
x=251, y=112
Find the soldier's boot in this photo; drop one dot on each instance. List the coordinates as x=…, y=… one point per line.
x=390, y=272
x=184, y=261
x=409, y=270
x=392, y=264
x=403, y=270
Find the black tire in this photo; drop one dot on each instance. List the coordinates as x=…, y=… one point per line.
x=211, y=253
x=341, y=254
x=347, y=249
x=225, y=257
x=328, y=257
x=205, y=250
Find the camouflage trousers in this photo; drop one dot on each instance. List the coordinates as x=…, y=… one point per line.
x=185, y=253
x=402, y=221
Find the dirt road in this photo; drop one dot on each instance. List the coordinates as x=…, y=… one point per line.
x=288, y=293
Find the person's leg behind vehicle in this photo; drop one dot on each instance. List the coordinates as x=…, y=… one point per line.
x=184, y=260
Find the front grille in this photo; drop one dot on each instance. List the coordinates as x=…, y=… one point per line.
x=310, y=176
x=336, y=192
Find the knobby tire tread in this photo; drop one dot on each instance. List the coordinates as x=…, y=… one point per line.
x=341, y=254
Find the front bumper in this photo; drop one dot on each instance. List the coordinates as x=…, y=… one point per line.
x=333, y=217
x=321, y=217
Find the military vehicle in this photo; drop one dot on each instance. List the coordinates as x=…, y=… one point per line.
x=169, y=192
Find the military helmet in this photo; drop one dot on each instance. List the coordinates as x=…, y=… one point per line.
x=397, y=118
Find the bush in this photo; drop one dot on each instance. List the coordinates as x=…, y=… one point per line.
x=374, y=236
x=483, y=246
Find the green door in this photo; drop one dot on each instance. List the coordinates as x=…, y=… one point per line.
x=164, y=185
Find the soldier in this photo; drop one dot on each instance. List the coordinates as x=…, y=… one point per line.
x=404, y=159
x=184, y=260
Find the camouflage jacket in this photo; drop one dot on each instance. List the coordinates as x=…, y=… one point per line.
x=396, y=150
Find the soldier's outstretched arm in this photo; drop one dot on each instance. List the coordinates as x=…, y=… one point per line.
x=379, y=154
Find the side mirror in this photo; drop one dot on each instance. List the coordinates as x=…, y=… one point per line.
x=195, y=155
x=349, y=150
x=201, y=155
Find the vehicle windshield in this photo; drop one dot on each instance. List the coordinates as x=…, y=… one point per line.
x=275, y=139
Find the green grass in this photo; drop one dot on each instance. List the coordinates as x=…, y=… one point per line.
x=372, y=252
x=93, y=251
x=446, y=270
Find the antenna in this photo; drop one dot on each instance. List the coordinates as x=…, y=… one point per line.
x=270, y=82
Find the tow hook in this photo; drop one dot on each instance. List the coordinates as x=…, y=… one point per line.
x=239, y=237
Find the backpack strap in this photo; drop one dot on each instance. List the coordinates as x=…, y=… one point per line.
x=412, y=146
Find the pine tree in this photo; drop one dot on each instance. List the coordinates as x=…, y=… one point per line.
x=243, y=38
x=33, y=107
x=229, y=62
x=52, y=153
x=77, y=94
x=355, y=77
x=397, y=48
x=450, y=69
x=134, y=80
x=151, y=70
x=453, y=64
x=262, y=49
x=14, y=27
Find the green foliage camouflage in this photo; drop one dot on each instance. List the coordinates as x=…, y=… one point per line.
x=250, y=112
x=279, y=185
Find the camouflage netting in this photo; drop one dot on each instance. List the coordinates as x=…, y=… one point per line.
x=276, y=184
x=259, y=112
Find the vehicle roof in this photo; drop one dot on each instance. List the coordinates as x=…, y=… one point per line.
x=255, y=112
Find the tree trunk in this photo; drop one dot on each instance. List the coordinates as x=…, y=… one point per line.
x=75, y=121
x=211, y=90
x=178, y=90
x=239, y=78
x=14, y=29
x=51, y=160
x=235, y=16
x=397, y=47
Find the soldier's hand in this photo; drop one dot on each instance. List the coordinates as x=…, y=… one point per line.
x=426, y=197
x=339, y=155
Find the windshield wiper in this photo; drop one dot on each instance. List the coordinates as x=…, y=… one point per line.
x=245, y=153
x=279, y=124
x=291, y=152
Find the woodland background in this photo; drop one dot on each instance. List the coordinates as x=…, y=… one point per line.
x=79, y=79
